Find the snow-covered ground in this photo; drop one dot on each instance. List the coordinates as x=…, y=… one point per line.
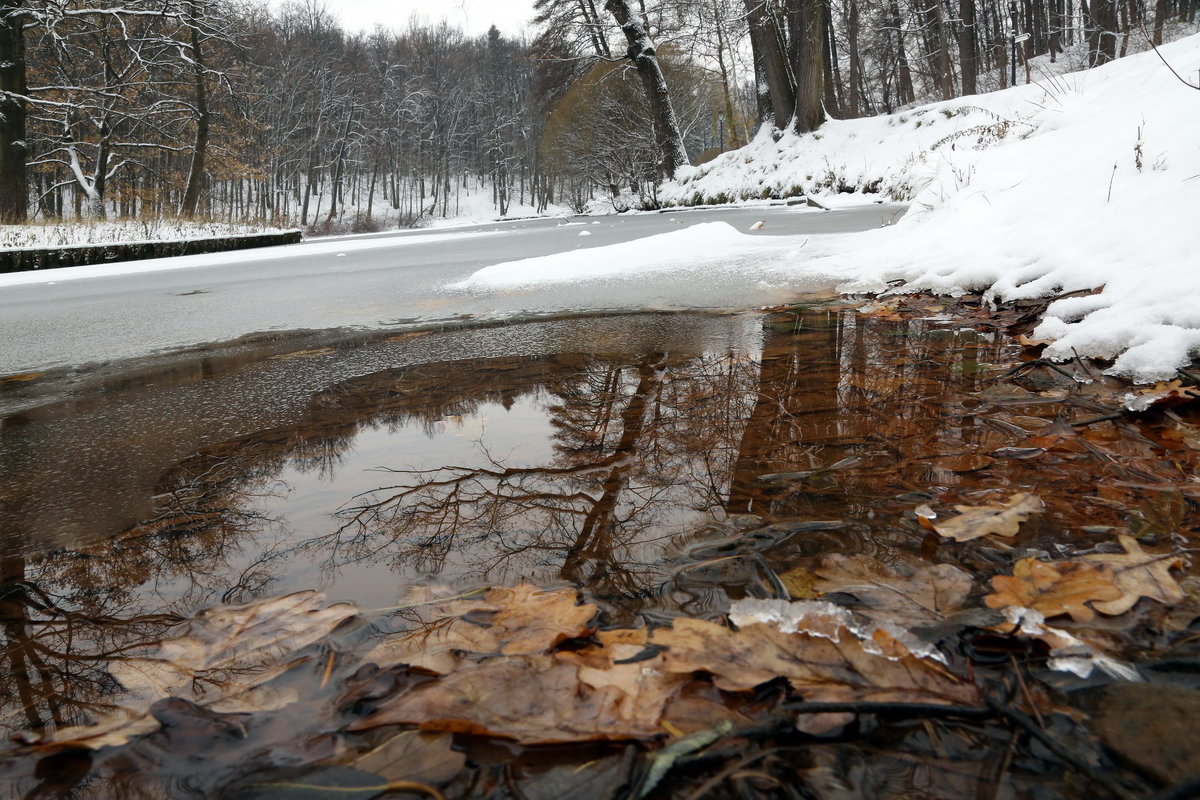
x=1079, y=181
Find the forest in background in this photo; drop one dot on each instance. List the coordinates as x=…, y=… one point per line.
x=226, y=110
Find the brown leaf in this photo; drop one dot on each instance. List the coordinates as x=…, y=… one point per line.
x=22, y=377
x=221, y=662
x=800, y=583
x=1062, y=587
x=927, y=596
x=414, y=756
x=522, y=620
x=1003, y=519
x=1138, y=574
x=1172, y=393
x=1025, y=341
x=819, y=668
x=536, y=699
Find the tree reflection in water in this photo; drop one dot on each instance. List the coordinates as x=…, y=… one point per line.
x=650, y=479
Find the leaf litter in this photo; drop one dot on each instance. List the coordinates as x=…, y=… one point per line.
x=867, y=649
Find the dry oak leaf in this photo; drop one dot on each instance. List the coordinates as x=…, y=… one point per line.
x=818, y=668
x=521, y=620
x=536, y=699
x=927, y=596
x=1171, y=393
x=1138, y=574
x=220, y=662
x=1002, y=519
x=1061, y=587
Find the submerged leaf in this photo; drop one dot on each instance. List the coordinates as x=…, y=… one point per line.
x=220, y=662
x=1002, y=519
x=522, y=620
x=926, y=597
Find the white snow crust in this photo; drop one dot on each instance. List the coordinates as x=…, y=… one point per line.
x=1076, y=182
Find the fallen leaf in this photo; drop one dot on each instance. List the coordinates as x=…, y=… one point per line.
x=522, y=620
x=1003, y=519
x=536, y=699
x=1172, y=393
x=22, y=377
x=800, y=583
x=1053, y=588
x=1025, y=341
x=219, y=662
x=818, y=668
x=414, y=756
x=927, y=596
x=1138, y=574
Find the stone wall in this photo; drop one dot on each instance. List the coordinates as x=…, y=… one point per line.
x=80, y=255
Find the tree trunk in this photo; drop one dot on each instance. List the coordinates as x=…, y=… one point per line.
x=191, y=195
x=1102, y=32
x=854, y=93
x=939, y=51
x=1160, y=20
x=810, y=65
x=968, y=51
x=905, y=93
x=645, y=59
x=767, y=42
x=14, y=177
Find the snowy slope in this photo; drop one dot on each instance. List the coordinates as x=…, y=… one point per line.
x=1084, y=180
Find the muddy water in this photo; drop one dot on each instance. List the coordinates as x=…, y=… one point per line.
x=663, y=463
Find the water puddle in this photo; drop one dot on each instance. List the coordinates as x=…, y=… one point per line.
x=664, y=464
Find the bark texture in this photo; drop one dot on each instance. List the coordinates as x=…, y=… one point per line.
x=14, y=179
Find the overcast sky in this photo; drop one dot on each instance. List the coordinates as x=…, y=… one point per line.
x=473, y=16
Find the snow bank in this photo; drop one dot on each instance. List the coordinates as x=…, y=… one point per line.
x=1085, y=180
x=705, y=245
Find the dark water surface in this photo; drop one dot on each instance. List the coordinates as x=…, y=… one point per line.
x=658, y=462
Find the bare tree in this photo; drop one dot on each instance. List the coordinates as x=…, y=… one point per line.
x=644, y=56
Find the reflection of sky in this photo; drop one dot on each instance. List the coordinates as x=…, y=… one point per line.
x=520, y=435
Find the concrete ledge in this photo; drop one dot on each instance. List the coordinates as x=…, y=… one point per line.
x=26, y=260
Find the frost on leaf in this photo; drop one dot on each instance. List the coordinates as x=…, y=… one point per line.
x=1063, y=587
x=1002, y=519
x=1138, y=574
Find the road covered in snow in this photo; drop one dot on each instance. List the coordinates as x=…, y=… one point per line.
x=694, y=259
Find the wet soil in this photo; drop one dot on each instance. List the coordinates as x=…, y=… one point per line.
x=664, y=465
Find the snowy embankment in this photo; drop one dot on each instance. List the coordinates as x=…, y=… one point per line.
x=1081, y=181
